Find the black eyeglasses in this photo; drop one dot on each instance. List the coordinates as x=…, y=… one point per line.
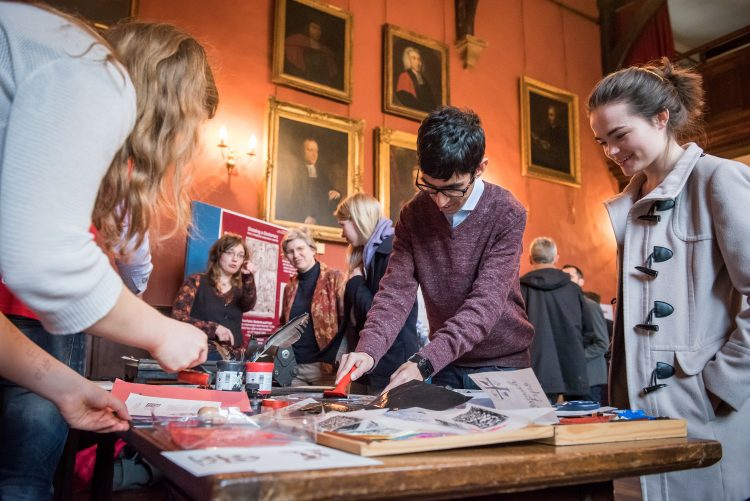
x=662, y=371
x=660, y=309
x=448, y=192
x=661, y=205
x=659, y=255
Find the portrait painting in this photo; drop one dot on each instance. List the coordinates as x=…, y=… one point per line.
x=313, y=48
x=549, y=133
x=315, y=162
x=101, y=14
x=415, y=76
x=396, y=169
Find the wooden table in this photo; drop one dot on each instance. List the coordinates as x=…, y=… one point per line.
x=521, y=471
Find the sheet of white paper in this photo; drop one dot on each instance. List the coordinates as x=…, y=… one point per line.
x=140, y=405
x=512, y=389
x=291, y=457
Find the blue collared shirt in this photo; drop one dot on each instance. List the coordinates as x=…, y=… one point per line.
x=458, y=217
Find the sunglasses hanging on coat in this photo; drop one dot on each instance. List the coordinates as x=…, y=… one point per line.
x=660, y=310
x=661, y=206
x=659, y=255
x=662, y=371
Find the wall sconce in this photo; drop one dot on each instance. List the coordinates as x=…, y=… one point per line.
x=231, y=157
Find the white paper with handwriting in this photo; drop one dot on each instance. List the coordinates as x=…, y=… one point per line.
x=141, y=405
x=291, y=457
x=518, y=393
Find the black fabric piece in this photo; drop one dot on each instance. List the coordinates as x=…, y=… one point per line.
x=419, y=394
x=210, y=306
x=555, y=306
x=306, y=349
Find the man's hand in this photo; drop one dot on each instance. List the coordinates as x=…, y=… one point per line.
x=88, y=407
x=334, y=195
x=362, y=361
x=404, y=374
x=224, y=335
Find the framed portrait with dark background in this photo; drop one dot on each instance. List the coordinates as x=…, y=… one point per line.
x=315, y=161
x=549, y=133
x=313, y=48
x=415, y=73
x=102, y=13
x=395, y=169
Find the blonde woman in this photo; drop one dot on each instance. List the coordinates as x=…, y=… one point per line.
x=70, y=156
x=370, y=237
x=316, y=290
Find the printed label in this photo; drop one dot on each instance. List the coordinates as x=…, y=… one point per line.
x=262, y=379
x=229, y=381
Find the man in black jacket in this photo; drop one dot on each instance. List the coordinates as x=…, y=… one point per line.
x=555, y=306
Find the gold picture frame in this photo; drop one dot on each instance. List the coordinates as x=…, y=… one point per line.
x=395, y=174
x=550, y=148
x=409, y=92
x=100, y=14
x=312, y=48
x=298, y=194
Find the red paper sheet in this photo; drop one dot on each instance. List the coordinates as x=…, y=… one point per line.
x=122, y=390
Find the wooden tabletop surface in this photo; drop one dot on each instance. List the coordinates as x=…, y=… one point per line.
x=466, y=472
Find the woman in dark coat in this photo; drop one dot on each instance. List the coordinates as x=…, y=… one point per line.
x=370, y=237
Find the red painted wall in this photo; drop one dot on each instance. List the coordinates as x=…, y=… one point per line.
x=537, y=38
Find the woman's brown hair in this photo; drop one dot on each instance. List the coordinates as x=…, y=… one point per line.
x=649, y=89
x=227, y=242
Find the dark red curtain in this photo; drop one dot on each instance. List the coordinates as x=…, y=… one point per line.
x=655, y=40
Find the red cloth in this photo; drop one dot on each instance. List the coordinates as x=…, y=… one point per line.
x=86, y=461
x=11, y=305
x=654, y=41
x=406, y=84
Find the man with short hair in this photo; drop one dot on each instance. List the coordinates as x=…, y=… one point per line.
x=595, y=342
x=311, y=196
x=460, y=239
x=555, y=306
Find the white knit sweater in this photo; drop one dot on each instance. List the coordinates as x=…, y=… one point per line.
x=64, y=113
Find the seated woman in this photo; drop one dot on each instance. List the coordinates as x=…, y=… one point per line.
x=370, y=237
x=214, y=301
x=316, y=290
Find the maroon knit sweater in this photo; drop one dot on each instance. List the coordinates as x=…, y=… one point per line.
x=470, y=283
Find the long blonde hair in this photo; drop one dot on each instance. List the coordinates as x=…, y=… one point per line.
x=176, y=93
x=364, y=211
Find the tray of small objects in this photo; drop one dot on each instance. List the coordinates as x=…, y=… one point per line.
x=581, y=423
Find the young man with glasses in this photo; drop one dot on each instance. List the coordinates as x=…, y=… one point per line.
x=460, y=239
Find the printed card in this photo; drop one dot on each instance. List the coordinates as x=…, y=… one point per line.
x=512, y=389
x=293, y=457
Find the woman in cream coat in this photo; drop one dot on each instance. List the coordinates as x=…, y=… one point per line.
x=682, y=339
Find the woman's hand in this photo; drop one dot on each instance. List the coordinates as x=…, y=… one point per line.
x=224, y=335
x=88, y=407
x=248, y=268
x=362, y=361
x=182, y=346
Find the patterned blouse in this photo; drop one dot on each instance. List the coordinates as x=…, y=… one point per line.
x=327, y=303
x=244, y=298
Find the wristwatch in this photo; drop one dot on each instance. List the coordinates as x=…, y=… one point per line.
x=424, y=365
